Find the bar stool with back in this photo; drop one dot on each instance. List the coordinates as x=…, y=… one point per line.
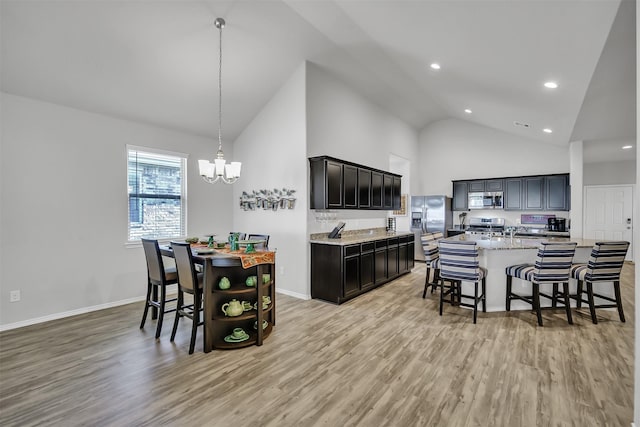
x=190, y=282
x=459, y=262
x=605, y=265
x=158, y=278
x=552, y=265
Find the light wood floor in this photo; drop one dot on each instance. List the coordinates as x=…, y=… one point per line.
x=384, y=359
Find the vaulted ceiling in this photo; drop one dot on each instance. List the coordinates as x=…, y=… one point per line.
x=157, y=61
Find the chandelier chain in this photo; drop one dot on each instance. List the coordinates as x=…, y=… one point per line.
x=220, y=92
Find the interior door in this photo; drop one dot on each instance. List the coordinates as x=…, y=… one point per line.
x=608, y=214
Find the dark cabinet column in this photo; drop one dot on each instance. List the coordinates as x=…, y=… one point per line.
x=533, y=193
x=397, y=189
x=460, y=195
x=512, y=194
x=377, y=190
x=388, y=191
x=351, y=190
x=364, y=186
x=334, y=185
x=367, y=269
x=557, y=190
x=351, y=275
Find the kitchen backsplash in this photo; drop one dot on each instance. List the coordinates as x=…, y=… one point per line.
x=511, y=218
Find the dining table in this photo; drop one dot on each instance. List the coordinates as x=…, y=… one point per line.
x=212, y=262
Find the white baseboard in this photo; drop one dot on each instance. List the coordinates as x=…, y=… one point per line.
x=70, y=313
x=293, y=294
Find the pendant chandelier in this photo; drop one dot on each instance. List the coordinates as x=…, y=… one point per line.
x=219, y=171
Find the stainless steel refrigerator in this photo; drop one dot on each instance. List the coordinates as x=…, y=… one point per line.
x=429, y=214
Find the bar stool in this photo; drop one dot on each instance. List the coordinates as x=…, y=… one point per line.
x=605, y=265
x=553, y=264
x=459, y=263
x=432, y=261
x=158, y=278
x=191, y=282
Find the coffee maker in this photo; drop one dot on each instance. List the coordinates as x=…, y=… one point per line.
x=557, y=224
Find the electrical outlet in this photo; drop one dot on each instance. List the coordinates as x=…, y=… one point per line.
x=14, y=296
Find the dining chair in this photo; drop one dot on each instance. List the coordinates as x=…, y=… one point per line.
x=159, y=278
x=264, y=237
x=190, y=282
x=552, y=266
x=604, y=266
x=459, y=262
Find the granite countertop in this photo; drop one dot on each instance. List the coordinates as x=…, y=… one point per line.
x=351, y=237
x=508, y=243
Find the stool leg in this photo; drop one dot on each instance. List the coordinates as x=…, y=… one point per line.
x=579, y=293
x=554, y=296
x=426, y=283
x=536, y=302
x=592, y=306
x=146, y=304
x=484, y=295
x=178, y=308
x=567, y=305
x=441, y=294
x=163, y=301
x=616, y=288
x=154, y=308
x=508, y=302
x=436, y=277
x=475, y=302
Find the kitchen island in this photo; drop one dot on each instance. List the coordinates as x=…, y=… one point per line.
x=497, y=253
x=359, y=261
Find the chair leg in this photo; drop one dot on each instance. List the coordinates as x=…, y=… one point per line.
x=475, y=302
x=436, y=277
x=508, y=301
x=163, y=301
x=616, y=288
x=484, y=295
x=554, y=295
x=536, y=302
x=154, y=297
x=592, y=305
x=441, y=294
x=579, y=294
x=426, y=283
x=567, y=304
x=178, y=308
x=146, y=304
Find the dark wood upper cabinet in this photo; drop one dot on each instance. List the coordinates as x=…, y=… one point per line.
x=476, y=186
x=557, y=192
x=351, y=190
x=364, y=185
x=397, y=189
x=512, y=194
x=334, y=185
x=533, y=193
x=492, y=185
x=377, y=190
x=460, y=195
x=388, y=191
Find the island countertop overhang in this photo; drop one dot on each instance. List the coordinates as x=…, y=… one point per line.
x=508, y=243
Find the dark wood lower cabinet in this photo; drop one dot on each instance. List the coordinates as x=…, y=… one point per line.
x=341, y=272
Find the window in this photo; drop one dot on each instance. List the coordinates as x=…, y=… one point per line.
x=157, y=193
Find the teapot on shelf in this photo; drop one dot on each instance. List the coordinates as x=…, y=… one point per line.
x=232, y=308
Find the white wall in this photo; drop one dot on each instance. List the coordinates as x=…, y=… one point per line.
x=64, y=207
x=454, y=149
x=272, y=150
x=610, y=173
x=343, y=124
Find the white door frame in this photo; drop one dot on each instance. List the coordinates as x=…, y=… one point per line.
x=634, y=212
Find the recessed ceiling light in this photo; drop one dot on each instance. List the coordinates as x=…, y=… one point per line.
x=626, y=147
x=547, y=130
x=435, y=66
x=468, y=111
x=551, y=85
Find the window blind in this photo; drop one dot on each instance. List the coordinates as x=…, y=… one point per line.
x=156, y=195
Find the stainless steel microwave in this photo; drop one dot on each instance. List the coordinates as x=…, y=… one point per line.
x=485, y=200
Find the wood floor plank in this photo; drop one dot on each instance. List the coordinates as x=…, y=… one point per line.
x=385, y=359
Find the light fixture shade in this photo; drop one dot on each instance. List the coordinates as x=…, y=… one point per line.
x=235, y=168
x=219, y=166
x=207, y=169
